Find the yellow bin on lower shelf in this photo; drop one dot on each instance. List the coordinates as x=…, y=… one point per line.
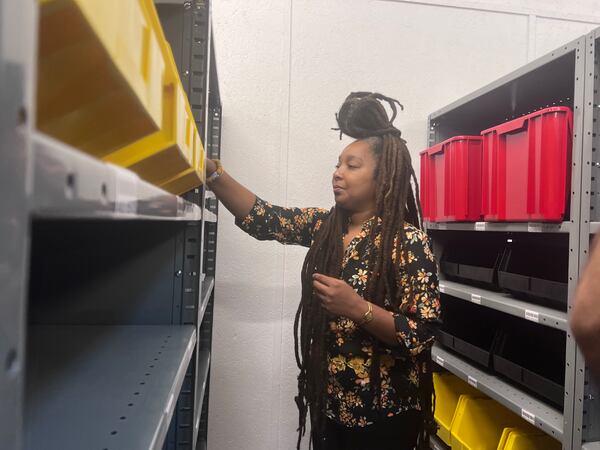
x=448, y=389
x=100, y=73
x=479, y=423
x=527, y=438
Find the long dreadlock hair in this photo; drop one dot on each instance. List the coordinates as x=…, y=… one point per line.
x=361, y=116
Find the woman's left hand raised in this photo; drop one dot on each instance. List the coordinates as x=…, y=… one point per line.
x=338, y=297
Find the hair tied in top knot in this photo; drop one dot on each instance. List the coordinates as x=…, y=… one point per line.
x=363, y=115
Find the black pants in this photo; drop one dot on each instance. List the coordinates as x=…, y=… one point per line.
x=391, y=433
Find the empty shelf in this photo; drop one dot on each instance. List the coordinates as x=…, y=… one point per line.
x=111, y=386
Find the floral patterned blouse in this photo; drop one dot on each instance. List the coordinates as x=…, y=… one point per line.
x=350, y=400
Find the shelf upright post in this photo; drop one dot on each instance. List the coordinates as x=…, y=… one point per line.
x=570, y=416
x=18, y=37
x=586, y=425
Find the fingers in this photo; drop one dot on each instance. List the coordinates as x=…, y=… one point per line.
x=324, y=279
x=321, y=291
x=320, y=287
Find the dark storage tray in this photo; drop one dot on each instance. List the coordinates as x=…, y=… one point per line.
x=548, y=389
x=468, y=329
x=536, y=272
x=533, y=356
x=473, y=260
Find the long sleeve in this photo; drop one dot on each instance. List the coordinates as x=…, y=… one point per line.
x=286, y=225
x=420, y=299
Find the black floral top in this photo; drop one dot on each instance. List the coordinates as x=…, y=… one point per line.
x=350, y=400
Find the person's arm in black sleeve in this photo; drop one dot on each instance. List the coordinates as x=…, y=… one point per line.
x=285, y=225
x=261, y=219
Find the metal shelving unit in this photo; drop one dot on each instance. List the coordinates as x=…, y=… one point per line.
x=211, y=211
x=567, y=76
x=187, y=26
x=104, y=309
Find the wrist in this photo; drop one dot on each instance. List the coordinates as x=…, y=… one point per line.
x=359, y=309
x=211, y=167
x=216, y=173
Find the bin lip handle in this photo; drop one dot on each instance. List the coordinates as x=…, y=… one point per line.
x=519, y=122
x=437, y=148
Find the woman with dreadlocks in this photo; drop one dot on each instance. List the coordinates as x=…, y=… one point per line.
x=370, y=302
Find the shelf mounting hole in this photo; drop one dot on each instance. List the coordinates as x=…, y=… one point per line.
x=12, y=363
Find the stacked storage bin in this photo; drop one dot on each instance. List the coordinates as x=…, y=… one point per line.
x=517, y=171
x=108, y=85
x=100, y=74
x=469, y=420
x=531, y=155
x=448, y=390
x=451, y=180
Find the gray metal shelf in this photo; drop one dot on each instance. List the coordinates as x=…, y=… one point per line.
x=106, y=386
x=560, y=78
x=70, y=184
x=505, y=303
x=525, y=227
x=207, y=287
x=529, y=408
x=594, y=227
x=203, y=371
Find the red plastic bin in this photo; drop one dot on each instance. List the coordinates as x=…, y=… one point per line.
x=526, y=167
x=451, y=180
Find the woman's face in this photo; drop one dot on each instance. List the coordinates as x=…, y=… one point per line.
x=354, y=178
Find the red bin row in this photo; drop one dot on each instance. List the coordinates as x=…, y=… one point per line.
x=516, y=171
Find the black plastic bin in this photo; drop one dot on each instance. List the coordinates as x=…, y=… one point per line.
x=468, y=329
x=536, y=272
x=533, y=356
x=473, y=260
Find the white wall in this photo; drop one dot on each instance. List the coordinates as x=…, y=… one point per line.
x=285, y=67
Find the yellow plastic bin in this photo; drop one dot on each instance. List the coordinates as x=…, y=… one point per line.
x=169, y=151
x=526, y=437
x=448, y=389
x=152, y=16
x=192, y=177
x=478, y=423
x=100, y=73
